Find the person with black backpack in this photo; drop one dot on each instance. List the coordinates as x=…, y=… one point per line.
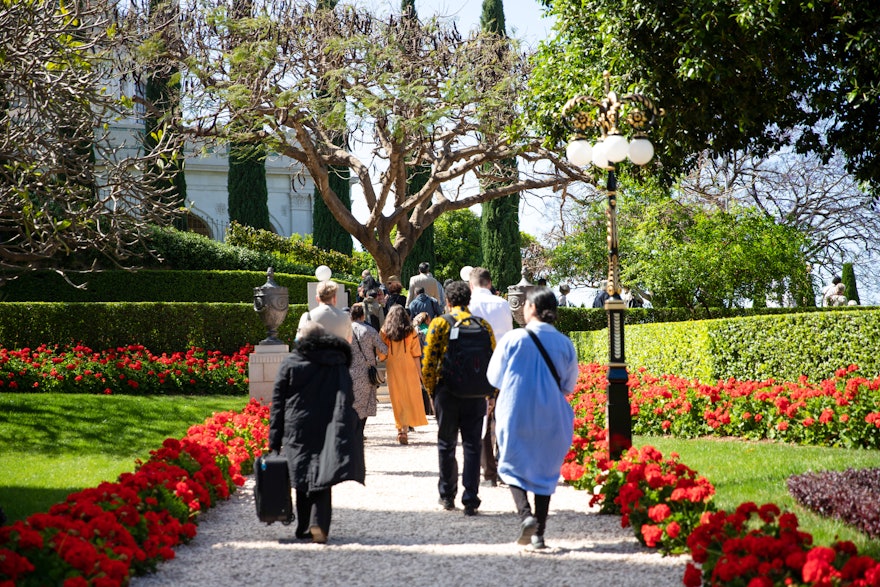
x=454, y=365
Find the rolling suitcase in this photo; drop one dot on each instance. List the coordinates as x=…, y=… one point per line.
x=272, y=489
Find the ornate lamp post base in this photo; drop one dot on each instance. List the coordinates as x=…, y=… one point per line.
x=617, y=410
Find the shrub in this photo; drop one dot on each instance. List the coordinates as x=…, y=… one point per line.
x=188, y=250
x=161, y=327
x=150, y=285
x=784, y=346
x=297, y=250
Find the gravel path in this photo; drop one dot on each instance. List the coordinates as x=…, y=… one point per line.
x=391, y=532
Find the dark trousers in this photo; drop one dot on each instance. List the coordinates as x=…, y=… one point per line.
x=362, y=423
x=459, y=415
x=489, y=455
x=313, y=509
x=542, y=507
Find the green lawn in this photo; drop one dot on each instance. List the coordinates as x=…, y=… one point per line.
x=757, y=471
x=54, y=444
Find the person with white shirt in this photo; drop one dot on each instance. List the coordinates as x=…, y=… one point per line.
x=496, y=311
x=334, y=320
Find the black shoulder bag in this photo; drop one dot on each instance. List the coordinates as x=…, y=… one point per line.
x=372, y=372
x=546, y=358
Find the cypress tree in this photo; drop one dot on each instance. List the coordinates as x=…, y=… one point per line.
x=499, y=221
x=247, y=194
x=848, y=277
x=162, y=90
x=327, y=233
x=423, y=249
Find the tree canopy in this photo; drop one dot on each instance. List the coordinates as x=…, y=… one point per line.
x=415, y=94
x=749, y=76
x=690, y=255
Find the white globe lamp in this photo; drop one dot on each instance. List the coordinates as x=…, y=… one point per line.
x=465, y=273
x=600, y=158
x=579, y=152
x=616, y=148
x=641, y=151
x=323, y=273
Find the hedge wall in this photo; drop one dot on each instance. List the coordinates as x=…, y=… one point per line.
x=148, y=285
x=160, y=327
x=783, y=347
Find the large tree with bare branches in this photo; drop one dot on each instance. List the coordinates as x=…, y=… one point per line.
x=67, y=184
x=415, y=94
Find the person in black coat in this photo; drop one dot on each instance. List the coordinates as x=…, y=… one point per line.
x=314, y=425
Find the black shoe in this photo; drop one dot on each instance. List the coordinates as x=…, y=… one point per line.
x=527, y=530
x=538, y=543
x=447, y=503
x=489, y=483
x=470, y=510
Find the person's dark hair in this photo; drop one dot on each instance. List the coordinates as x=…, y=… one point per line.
x=446, y=283
x=357, y=311
x=417, y=291
x=458, y=293
x=545, y=303
x=397, y=323
x=836, y=279
x=424, y=267
x=372, y=293
x=394, y=287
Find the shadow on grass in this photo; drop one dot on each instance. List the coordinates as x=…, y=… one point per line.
x=20, y=502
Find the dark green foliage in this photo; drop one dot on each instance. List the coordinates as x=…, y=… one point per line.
x=423, y=249
x=294, y=249
x=246, y=186
x=162, y=93
x=500, y=239
x=160, y=327
x=188, y=250
x=848, y=277
x=492, y=17
x=153, y=286
x=783, y=346
x=456, y=243
x=327, y=233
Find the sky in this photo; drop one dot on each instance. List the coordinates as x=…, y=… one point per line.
x=523, y=17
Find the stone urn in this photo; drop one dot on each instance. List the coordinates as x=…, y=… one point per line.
x=516, y=297
x=271, y=302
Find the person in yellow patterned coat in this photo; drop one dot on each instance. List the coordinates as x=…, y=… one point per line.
x=454, y=413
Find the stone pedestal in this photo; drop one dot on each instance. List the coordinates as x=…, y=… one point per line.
x=263, y=366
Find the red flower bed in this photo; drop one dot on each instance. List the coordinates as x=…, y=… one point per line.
x=103, y=535
x=130, y=370
x=669, y=506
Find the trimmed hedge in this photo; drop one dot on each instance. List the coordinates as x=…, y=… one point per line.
x=160, y=327
x=783, y=347
x=154, y=286
x=587, y=319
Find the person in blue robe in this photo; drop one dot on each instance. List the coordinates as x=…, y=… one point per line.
x=534, y=421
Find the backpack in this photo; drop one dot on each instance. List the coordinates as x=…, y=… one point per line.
x=466, y=361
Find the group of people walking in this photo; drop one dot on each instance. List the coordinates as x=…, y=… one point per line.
x=479, y=372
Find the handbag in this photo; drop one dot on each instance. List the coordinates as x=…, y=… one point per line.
x=372, y=372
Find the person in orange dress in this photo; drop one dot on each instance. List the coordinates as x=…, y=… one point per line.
x=403, y=371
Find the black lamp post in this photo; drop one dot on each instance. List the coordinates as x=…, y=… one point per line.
x=604, y=114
